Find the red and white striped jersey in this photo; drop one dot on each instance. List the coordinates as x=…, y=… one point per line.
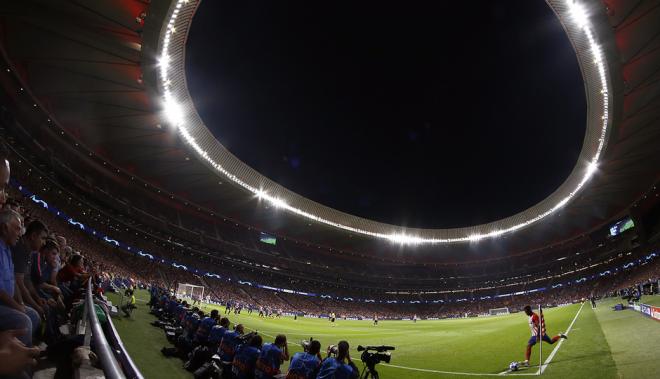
x=534, y=324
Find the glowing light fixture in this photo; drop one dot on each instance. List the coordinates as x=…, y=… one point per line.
x=174, y=113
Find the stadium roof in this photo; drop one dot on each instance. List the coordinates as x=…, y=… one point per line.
x=93, y=69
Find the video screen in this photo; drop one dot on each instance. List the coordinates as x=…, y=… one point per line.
x=621, y=226
x=267, y=238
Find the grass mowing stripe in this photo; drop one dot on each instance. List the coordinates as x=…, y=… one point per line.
x=633, y=339
x=552, y=355
x=453, y=344
x=451, y=372
x=587, y=353
x=472, y=347
x=554, y=351
x=143, y=342
x=271, y=336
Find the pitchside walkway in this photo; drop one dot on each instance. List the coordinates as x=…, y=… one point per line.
x=144, y=342
x=633, y=339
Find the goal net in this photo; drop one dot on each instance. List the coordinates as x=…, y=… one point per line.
x=498, y=311
x=190, y=291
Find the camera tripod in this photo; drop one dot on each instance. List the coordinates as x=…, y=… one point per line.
x=369, y=371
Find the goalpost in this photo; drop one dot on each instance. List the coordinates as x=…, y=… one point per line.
x=190, y=291
x=498, y=311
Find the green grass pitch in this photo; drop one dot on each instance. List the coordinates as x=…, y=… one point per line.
x=602, y=343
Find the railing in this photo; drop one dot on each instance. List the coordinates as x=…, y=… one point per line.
x=130, y=369
x=111, y=367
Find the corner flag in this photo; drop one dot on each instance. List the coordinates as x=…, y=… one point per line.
x=541, y=333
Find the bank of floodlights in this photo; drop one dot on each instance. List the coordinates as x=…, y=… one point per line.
x=175, y=114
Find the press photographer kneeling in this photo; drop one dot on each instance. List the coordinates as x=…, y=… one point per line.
x=339, y=366
x=306, y=364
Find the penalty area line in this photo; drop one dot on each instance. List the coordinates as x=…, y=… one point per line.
x=450, y=372
x=554, y=351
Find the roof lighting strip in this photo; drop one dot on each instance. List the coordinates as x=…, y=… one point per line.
x=176, y=117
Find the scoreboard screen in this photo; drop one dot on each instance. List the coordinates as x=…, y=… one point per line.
x=267, y=238
x=621, y=226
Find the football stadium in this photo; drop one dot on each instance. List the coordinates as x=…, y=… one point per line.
x=299, y=189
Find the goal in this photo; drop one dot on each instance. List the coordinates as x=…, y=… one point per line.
x=190, y=291
x=498, y=311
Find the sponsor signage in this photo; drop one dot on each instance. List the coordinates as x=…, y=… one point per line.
x=655, y=312
x=650, y=311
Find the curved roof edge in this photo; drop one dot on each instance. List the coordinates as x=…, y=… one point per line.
x=582, y=24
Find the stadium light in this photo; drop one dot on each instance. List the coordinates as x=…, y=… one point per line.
x=175, y=114
x=578, y=13
x=475, y=237
x=173, y=111
x=404, y=239
x=279, y=203
x=260, y=194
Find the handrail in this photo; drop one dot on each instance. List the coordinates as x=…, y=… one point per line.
x=111, y=367
x=133, y=371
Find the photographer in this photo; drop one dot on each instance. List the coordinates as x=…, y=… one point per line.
x=339, y=367
x=245, y=360
x=217, y=332
x=271, y=357
x=228, y=347
x=205, y=327
x=191, y=323
x=202, y=350
x=185, y=343
x=305, y=365
x=130, y=305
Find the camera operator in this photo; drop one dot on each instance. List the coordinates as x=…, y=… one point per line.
x=245, y=359
x=305, y=365
x=339, y=367
x=228, y=347
x=271, y=357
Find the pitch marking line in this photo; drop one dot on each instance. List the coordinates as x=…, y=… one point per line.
x=452, y=372
x=552, y=355
x=507, y=372
x=417, y=369
x=547, y=361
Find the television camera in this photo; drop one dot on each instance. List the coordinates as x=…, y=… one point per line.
x=371, y=356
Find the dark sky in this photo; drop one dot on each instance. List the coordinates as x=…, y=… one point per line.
x=431, y=114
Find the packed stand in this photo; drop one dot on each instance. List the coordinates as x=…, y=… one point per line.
x=43, y=278
x=43, y=270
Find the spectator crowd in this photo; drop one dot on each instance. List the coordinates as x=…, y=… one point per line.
x=44, y=263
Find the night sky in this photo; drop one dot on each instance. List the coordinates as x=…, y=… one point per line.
x=426, y=114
